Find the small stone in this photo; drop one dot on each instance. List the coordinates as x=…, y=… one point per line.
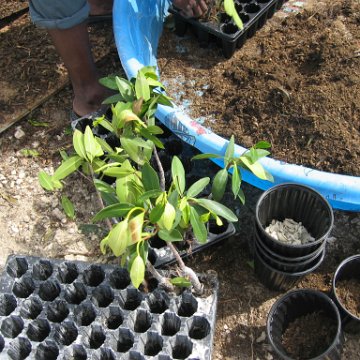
x=19, y=133
x=261, y=338
x=58, y=214
x=225, y=327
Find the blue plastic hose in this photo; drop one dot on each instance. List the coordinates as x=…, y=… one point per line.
x=137, y=28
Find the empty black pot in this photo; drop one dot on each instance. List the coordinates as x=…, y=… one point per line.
x=297, y=202
x=349, y=269
x=296, y=304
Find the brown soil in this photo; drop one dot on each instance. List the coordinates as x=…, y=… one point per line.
x=32, y=221
x=295, y=84
x=309, y=336
x=348, y=292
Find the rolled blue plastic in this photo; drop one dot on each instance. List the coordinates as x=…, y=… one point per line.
x=138, y=26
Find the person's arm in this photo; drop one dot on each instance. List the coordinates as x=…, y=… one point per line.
x=191, y=8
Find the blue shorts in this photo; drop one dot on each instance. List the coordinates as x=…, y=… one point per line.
x=58, y=14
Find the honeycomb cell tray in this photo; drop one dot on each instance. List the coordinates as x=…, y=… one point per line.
x=253, y=13
x=57, y=309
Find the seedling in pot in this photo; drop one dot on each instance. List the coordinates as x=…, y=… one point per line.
x=137, y=205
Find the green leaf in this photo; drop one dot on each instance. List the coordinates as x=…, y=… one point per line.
x=168, y=217
x=125, y=89
x=218, y=209
x=229, y=154
x=104, y=187
x=78, y=142
x=68, y=207
x=230, y=9
x=206, y=156
x=157, y=212
x=178, y=174
x=137, y=271
x=150, y=178
x=241, y=196
x=196, y=188
x=118, y=238
x=170, y=236
x=150, y=194
x=235, y=181
x=146, y=134
x=29, y=152
x=155, y=130
x=45, y=181
x=63, y=154
x=109, y=82
x=257, y=169
x=38, y=123
x=92, y=147
x=67, y=167
x=198, y=226
x=132, y=149
x=118, y=172
x=219, y=184
x=142, y=88
x=135, y=228
x=180, y=281
x=262, y=145
x=104, y=245
x=115, y=210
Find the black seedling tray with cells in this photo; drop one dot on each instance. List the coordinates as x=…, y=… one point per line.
x=54, y=309
x=223, y=31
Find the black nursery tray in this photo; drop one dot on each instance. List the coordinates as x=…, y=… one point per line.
x=253, y=13
x=56, y=309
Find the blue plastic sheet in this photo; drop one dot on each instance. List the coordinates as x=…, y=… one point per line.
x=137, y=28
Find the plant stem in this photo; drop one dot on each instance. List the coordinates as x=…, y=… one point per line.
x=163, y=281
x=198, y=287
x=100, y=200
x=160, y=168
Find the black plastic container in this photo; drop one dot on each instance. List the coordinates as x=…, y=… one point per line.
x=279, y=280
x=289, y=267
x=253, y=14
x=54, y=309
x=296, y=304
x=300, y=203
x=286, y=259
x=347, y=270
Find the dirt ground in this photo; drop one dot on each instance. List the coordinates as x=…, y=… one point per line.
x=32, y=222
x=296, y=84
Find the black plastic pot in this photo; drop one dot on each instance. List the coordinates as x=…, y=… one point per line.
x=347, y=270
x=296, y=304
x=290, y=267
x=279, y=280
x=287, y=259
x=300, y=203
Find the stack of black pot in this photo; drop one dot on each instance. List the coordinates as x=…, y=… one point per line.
x=281, y=265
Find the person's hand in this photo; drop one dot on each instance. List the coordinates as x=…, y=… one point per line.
x=191, y=8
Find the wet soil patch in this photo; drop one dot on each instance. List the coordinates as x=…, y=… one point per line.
x=295, y=84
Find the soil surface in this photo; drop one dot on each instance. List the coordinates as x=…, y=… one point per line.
x=296, y=84
x=309, y=336
x=348, y=292
x=32, y=221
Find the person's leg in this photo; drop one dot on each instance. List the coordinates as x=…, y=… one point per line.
x=100, y=7
x=74, y=49
x=65, y=21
